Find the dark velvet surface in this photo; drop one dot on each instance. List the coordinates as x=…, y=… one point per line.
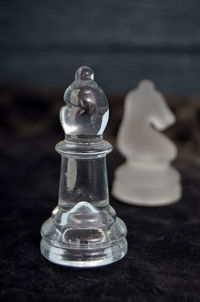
x=163, y=260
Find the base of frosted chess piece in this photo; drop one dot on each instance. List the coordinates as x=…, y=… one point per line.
x=83, y=236
x=144, y=184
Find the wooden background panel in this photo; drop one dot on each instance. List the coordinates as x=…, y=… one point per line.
x=43, y=42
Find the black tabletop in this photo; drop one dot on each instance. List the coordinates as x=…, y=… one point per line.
x=163, y=259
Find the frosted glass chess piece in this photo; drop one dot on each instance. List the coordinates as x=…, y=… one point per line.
x=83, y=230
x=146, y=178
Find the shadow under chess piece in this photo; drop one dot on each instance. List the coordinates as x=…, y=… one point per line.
x=146, y=178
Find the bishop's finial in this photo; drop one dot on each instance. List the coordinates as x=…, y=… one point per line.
x=84, y=73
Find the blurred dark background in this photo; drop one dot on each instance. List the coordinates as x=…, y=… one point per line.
x=42, y=43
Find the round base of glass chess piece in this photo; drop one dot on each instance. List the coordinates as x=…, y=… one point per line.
x=145, y=184
x=83, y=236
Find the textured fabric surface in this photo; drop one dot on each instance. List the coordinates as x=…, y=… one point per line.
x=163, y=260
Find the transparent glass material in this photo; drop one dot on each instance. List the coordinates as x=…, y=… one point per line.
x=83, y=230
x=147, y=177
x=78, y=183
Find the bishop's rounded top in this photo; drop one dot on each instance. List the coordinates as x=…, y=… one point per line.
x=84, y=73
x=86, y=111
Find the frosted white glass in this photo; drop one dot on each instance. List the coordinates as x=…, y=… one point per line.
x=147, y=177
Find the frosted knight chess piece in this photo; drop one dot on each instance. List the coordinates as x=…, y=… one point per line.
x=147, y=177
x=83, y=230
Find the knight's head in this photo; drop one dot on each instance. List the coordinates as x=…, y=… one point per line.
x=155, y=106
x=86, y=111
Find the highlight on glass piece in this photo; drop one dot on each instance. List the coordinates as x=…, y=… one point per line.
x=84, y=230
x=146, y=178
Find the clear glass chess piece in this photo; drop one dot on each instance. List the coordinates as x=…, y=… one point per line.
x=83, y=230
x=147, y=177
